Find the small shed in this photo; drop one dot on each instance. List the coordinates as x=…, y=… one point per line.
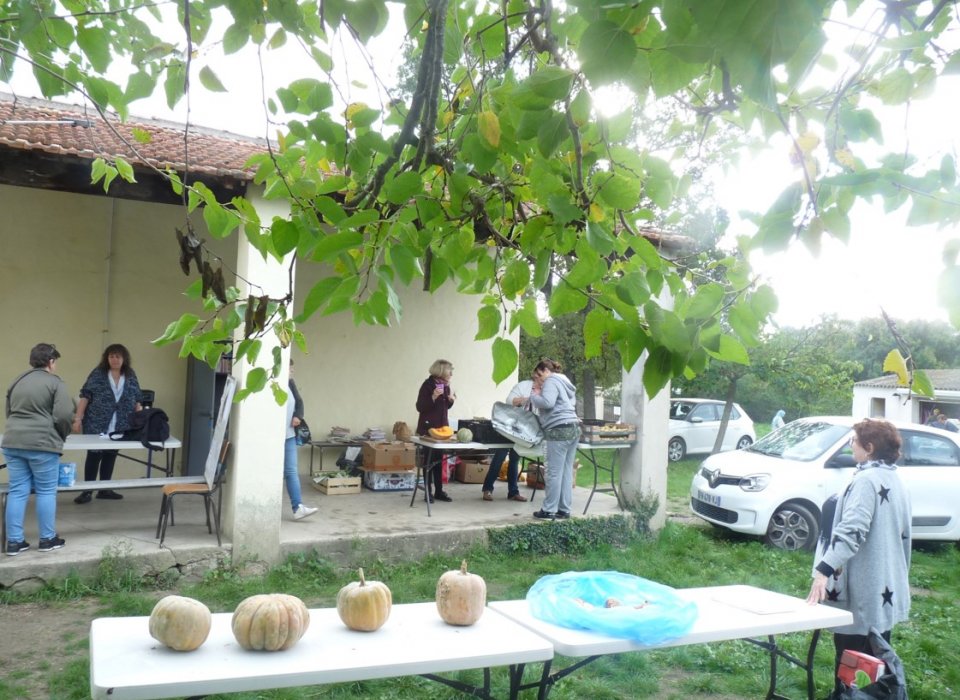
x=882, y=398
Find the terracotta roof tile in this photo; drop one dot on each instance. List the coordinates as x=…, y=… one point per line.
x=39, y=125
x=942, y=380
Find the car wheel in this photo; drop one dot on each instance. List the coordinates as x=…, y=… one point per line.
x=676, y=449
x=743, y=442
x=792, y=527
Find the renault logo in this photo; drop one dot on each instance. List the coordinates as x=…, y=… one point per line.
x=713, y=478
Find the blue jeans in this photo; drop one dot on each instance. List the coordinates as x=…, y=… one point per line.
x=558, y=475
x=291, y=474
x=31, y=469
x=512, y=469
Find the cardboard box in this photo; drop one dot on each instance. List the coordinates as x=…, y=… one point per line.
x=596, y=432
x=472, y=471
x=389, y=481
x=336, y=483
x=389, y=456
x=535, y=474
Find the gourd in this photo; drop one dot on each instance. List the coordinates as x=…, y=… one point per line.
x=180, y=623
x=461, y=596
x=464, y=435
x=443, y=433
x=270, y=622
x=364, y=605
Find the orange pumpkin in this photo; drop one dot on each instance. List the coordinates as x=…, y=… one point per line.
x=461, y=596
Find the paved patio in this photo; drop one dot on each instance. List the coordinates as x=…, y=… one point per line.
x=348, y=529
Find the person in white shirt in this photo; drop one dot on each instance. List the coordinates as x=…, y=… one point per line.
x=519, y=396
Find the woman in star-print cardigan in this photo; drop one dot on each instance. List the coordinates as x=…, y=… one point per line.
x=863, y=554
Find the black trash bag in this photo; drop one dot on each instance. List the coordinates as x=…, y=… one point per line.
x=892, y=685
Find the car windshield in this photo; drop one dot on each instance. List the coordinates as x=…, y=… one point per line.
x=680, y=409
x=803, y=441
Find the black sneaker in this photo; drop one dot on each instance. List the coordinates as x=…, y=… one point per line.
x=544, y=515
x=109, y=495
x=14, y=548
x=51, y=544
x=442, y=496
x=84, y=497
x=562, y=515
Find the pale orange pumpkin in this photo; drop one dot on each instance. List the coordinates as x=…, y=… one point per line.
x=364, y=605
x=270, y=622
x=461, y=596
x=180, y=623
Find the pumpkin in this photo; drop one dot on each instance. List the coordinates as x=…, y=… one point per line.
x=180, y=623
x=443, y=433
x=464, y=435
x=270, y=622
x=461, y=596
x=364, y=605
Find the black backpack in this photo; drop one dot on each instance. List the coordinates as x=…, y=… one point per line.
x=149, y=426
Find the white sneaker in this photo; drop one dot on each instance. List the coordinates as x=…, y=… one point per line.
x=303, y=511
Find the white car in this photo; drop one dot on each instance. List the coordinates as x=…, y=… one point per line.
x=776, y=487
x=694, y=424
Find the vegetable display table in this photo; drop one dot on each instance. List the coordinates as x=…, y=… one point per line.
x=126, y=663
x=724, y=613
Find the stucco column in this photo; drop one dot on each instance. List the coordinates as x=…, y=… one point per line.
x=643, y=468
x=253, y=509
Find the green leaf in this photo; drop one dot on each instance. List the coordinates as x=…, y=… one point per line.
x=515, y=278
x=406, y=264
x=594, y=328
x=706, y=301
x=334, y=244
x=528, y=318
x=618, y=191
x=210, y=80
x=178, y=329
x=256, y=379
x=607, y=52
x=173, y=84
x=318, y=296
x=565, y=300
x=731, y=350
x=488, y=322
x=124, y=169
x=505, y=359
x=285, y=236
x=95, y=44
x=403, y=187
x=657, y=371
x=235, y=38
x=542, y=89
x=922, y=384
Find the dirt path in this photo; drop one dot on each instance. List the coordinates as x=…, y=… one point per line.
x=39, y=640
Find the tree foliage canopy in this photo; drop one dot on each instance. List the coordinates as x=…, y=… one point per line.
x=501, y=173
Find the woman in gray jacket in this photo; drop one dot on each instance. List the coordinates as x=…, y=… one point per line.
x=39, y=413
x=862, y=562
x=555, y=397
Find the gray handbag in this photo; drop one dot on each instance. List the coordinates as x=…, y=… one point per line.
x=517, y=424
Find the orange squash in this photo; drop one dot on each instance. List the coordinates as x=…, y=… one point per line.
x=461, y=596
x=270, y=622
x=180, y=623
x=364, y=605
x=443, y=433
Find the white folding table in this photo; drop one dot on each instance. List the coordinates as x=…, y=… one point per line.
x=85, y=443
x=127, y=664
x=430, y=455
x=724, y=613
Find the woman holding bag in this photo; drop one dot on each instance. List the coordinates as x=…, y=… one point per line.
x=555, y=397
x=108, y=400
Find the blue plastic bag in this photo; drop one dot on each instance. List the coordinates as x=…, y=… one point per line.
x=612, y=603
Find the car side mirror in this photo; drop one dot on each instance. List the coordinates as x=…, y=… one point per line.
x=841, y=461
x=696, y=419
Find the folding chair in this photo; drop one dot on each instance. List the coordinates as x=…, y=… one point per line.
x=208, y=493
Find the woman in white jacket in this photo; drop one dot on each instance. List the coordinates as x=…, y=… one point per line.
x=555, y=397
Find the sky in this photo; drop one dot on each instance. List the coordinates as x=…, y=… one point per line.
x=885, y=264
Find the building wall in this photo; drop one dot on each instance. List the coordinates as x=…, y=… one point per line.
x=83, y=272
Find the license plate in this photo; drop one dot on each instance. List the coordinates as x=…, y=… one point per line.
x=708, y=498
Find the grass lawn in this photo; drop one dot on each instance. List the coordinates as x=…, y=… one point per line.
x=680, y=555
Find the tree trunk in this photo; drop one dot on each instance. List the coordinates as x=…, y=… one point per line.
x=727, y=408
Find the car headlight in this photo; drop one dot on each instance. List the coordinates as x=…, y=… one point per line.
x=755, y=482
